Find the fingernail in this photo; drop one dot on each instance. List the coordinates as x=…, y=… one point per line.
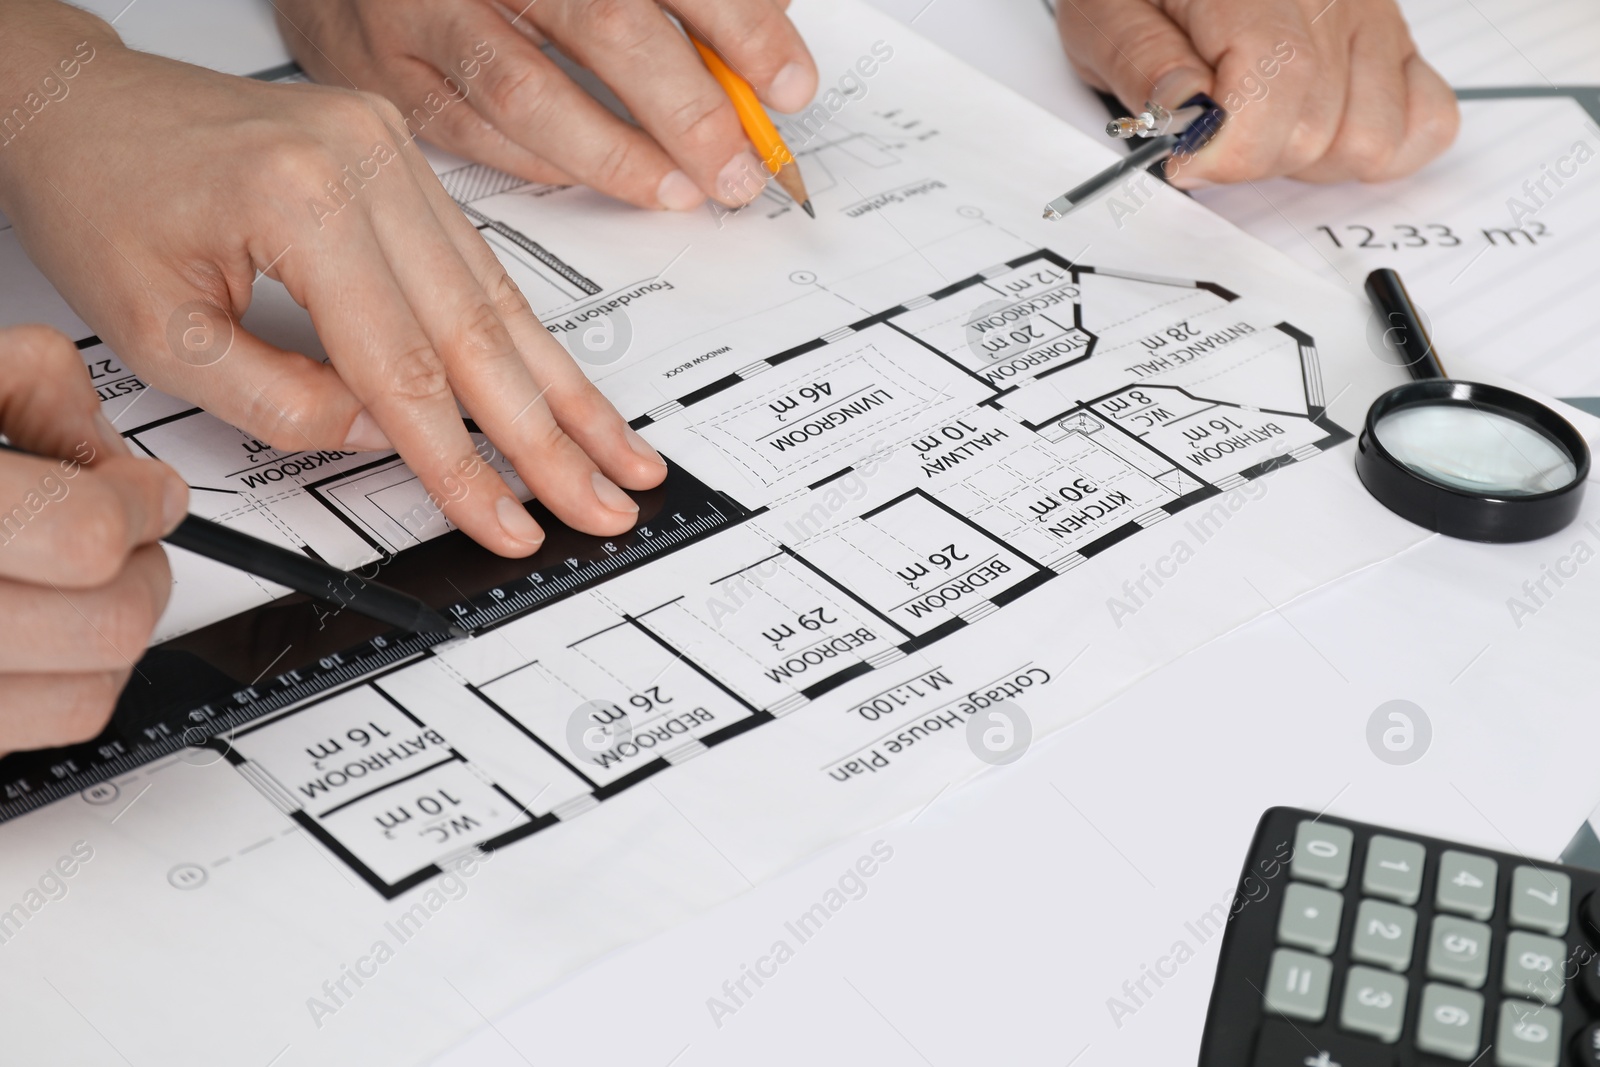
x=792, y=89
x=366, y=435
x=174, y=503
x=517, y=523
x=110, y=439
x=1177, y=86
x=611, y=496
x=640, y=446
x=742, y=180
x=678, y=192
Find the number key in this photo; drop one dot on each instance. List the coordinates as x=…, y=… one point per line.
x=1321, y=854
x=1450, y=1022
x=1374, y=1003
x=1467, y=884
x=1528, y=1036
x=1535, y=967
x=1393, y=869
x=1459, y=950
x=1540, y=900
x=1384, y=934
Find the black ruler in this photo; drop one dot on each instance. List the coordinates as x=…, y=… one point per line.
x=216, y=679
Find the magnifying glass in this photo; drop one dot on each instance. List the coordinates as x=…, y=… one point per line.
x=1468, y=460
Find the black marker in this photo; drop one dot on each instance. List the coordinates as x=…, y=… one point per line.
x=303, y=574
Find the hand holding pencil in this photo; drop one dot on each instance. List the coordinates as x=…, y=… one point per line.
x=522, y=113
x=769, y=146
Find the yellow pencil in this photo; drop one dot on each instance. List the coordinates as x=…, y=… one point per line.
x=757, y=126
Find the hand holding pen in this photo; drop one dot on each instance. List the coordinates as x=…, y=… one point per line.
x=82, y=576
x=1314, y=90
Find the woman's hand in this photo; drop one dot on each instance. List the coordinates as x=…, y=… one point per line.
x=153, y=193
x=1318, y=90
x=82, y=579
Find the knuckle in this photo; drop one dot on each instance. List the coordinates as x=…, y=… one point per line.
x=46, y=348
x=614, y=24
x=299, y=162
x=124, y=620
x=704, y=121
x=380, y=112
x=549, y=440
x=612, y=169
x=1369, y=153
x=1145, y=47
x=1438, y=124
x=520, y=90
x=93, y=547
x=481, y=333
x=507, y=299
x=417, y=375
x=284, y=419
x=459, y=128
x=1309, y=142
x=763, y=38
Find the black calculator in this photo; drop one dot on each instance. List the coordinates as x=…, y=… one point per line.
x=1351, y=945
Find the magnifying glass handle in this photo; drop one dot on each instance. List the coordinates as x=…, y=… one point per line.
x=1404, y=328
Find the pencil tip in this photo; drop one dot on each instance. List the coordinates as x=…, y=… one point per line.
x=458, y=632
x=805, y=205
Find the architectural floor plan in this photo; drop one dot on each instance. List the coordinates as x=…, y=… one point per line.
x=944, y=457
x=924, y=468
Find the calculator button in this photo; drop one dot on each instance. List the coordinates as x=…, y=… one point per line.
x=1384, y=934
x=1450, y=1022
x=1535, y=967
x=1459, y=950
x=1591, y=916
x=1588, y=975
x=1587, y=1046
x=1374, y=1003
x=1393, y=869
x=1310, y=918
x=1529, y=1036
x=1283, y=1044
x=1321, y=854
x=1297, y=985
x=1540, y=900
x=1467, y=884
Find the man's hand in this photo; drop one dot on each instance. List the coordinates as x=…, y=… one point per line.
x=82, y=579
x=153, y=193
x=1317, y=90
x=522, y=114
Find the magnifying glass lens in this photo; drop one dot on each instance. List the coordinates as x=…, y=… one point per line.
x=1475, y=450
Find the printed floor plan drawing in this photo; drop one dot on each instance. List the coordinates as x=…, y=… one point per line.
x=922, y=469
x=928, y=453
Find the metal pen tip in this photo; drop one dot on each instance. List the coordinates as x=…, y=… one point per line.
x=458, y=632
x=1051, y=214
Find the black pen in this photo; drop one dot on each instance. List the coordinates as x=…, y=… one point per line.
x=303, y=574
x=309, y=576
x=1180, y=132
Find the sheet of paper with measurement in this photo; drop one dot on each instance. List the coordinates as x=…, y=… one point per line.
x=933, y=455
